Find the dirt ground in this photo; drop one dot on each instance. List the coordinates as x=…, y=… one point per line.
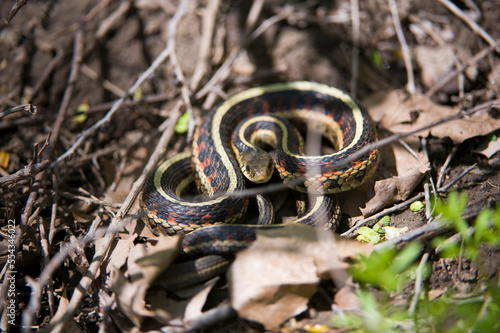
x=75, y=60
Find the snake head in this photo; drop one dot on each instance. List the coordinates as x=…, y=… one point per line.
x=257, y=165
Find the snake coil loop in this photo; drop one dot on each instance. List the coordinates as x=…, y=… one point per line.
x=214, y=166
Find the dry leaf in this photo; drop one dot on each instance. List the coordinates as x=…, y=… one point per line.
x=119, y=255
x=435, y=63
x=274, y=278
x=62, y=308
x=401, y=169
x=195, y=305
x=144, y=265
x=491, y=149
x=401, y=173
x=401, y=114
x=391, y=190
x=346, y=299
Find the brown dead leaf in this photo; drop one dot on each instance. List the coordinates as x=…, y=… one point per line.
x=195, y=305
x=402, y=169
x=402, y=114
x=435, y=63
x=491, y=148
x=391, y=190
x=62, y=309
x=400, y=172
x=346, y=299
x=144, y=265
x=274, y=278
x=119, y=255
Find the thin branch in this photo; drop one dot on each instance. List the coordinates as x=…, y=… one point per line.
x=355, y=40
x=68, y=92
x=224, y=69
x=116, y=106
x=418, y=283
x=465, y=172
x=117, y=222
x=209, y=17
x=473, y=25
x=442, y=171
x=171, y=44
x=410, y=86
x=27, y=108
x=26, y=172
x=450, y=76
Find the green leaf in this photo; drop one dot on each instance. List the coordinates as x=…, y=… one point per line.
x=79, y=118
x=406, y=257
x=182, y=124
x=368, y=235
x=416, y=206
x=83, y=107
x=375, y=269
x=386, y=220
x=378, y=228
x=453, y=209
x=376, y=59
x=138, y=95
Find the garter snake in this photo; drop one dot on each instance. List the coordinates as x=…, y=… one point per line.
x=226, y=136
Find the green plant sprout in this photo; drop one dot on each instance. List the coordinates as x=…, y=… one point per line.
x=390, y=270
x=484, y=230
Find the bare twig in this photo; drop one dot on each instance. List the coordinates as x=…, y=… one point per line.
x=355, y=40
x=116, y=222
x=209, y=17
x=45, y=245
x=18, y=4
x=424, y=232
x=26, y=172
x=68, y=93
x=450, y=184
x=475, y=59
x=223, y=70
x=410, y=86
x=28, y=108
x=47, y=72
x=442, y=171
x=171, y=44
x=112, y=20
x=473, y=25
x=418, y=284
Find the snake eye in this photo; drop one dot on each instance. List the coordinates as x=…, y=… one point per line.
x=247, y=168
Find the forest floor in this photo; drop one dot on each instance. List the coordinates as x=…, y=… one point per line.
x=109, y=80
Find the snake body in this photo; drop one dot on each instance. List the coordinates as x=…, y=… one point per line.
x=214, y=166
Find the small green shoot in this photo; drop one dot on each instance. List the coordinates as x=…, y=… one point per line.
x=386, y=220
x=416, y=206
x=382, y=268
x=182, y=124
x=389, y=270
x=367, y=235
x=138, y=95
x=374, y=317
x=485, y=229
